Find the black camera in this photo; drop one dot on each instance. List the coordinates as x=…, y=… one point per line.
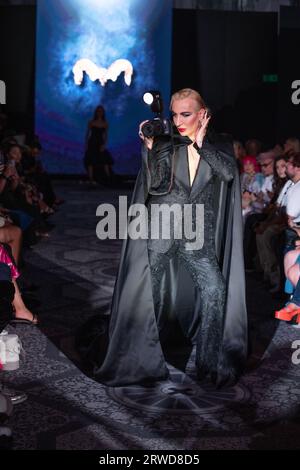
x=158, y=126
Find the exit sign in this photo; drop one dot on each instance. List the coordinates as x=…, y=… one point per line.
x=273, y=78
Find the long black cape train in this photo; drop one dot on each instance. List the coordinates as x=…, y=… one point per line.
x=127, y=349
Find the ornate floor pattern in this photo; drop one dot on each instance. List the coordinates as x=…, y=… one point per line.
x=68, y=410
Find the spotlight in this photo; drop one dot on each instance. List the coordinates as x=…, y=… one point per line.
x=153, y=98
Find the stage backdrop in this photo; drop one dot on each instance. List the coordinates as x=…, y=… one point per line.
x=102, y=32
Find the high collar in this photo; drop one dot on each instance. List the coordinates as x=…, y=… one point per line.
x=180, y=140
x=176, y=140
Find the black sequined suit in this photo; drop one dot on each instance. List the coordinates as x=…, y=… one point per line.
x=160, y=281
x=168, y=171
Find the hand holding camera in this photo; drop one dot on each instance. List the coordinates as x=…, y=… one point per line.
x=147, y=140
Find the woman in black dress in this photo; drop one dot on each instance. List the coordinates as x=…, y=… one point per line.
x=97, y=157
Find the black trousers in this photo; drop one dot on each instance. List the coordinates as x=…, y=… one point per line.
x=207, y=277
x=250, y=248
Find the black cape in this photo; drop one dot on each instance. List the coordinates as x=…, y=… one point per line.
x=125, y=348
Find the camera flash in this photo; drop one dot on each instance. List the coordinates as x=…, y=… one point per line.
x=148, y=98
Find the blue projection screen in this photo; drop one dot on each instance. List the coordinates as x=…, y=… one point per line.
x=92, y=52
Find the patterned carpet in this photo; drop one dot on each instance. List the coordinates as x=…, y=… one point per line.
x=68, y=410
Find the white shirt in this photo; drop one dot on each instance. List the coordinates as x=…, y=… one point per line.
x=293, y=202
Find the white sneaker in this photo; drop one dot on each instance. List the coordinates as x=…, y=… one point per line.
x=10, y=349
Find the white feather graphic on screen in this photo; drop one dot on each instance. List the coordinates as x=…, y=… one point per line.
x=102, y=74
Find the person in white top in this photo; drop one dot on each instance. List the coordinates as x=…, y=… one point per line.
x=263, y=198
x=271, y=227
x=266, y=161
x=259, y=202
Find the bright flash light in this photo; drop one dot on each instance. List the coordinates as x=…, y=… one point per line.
x=148, y=98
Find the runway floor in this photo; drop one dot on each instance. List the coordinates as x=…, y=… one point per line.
x=68, y=410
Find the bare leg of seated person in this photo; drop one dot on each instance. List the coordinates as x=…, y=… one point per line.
x=293, y=275
x=21, y=311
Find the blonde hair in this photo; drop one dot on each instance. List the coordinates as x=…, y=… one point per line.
x=188, y=93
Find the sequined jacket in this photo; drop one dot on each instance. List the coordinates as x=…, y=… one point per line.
x=168, y=182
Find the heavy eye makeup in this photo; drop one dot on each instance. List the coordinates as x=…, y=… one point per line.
x=185, y=114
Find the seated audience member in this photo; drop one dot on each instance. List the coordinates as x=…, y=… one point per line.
x=16, y=195
x=292, y=211
x=266, y=161
x=251, y=178
x=251, y=182
x=293, y=201
x=280, y=176
x=258, y=206
x=36, y=175
x=273, y=225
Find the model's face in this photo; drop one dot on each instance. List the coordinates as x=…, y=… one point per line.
x=187, y=117
x=249, y=167
x=281, y=168
x=15, y=154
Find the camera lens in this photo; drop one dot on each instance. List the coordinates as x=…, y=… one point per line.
x=153, y=128
x=147, y=129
